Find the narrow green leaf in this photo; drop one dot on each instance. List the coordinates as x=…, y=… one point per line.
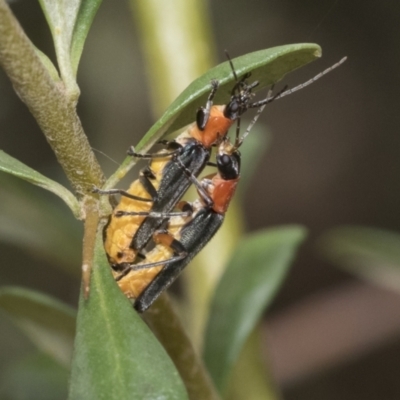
x=86, y=14
x=250, y=282
x=69, y=22
x=30, y=221
x=370, y=253
x=250, y=377
x=49, y=65
x=116, y=356
x=267, y=66
x=36, y=376
x=49, y=323
x=14, y=167
x=61, y=16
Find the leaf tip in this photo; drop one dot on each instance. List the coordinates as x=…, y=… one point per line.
x=318, y=53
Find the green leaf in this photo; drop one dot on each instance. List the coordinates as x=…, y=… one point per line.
x=69, y=22
x=49, y=65
x=116, y=356
x=61, y=16
x=267, y=66
x=249, y=284
x=49, y=323
x=36, y=376
x=33, y=222
x=370, y=253
x=86, y=14
x=14, y=167
x=250, y=377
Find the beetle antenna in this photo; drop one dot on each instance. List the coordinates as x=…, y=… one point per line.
x=312, y=80
x=271, y=98
x=231, y=64
x=299, y=87
x=303, y=85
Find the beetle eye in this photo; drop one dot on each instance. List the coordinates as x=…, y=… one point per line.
x=232, y=109
x=225, y=159
x=229, y=165
x=234, y=106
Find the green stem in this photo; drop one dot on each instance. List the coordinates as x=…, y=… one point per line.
x=49, y=103
x=89, y=242
x=166, y=325
x=177, y=43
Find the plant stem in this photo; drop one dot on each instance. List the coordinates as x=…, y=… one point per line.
x=89, y=241
x=167, y=327
x=49, y=103
x=177, y=42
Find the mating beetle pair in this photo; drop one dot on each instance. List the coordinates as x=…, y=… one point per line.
x=149, y=202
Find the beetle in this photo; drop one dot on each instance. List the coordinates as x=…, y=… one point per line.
x=185, y=235
x=150, y=200
x=162, y=184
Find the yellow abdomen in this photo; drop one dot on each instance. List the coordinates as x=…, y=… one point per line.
x=121, y=229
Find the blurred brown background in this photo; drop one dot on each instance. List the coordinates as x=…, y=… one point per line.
x=333, y=161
